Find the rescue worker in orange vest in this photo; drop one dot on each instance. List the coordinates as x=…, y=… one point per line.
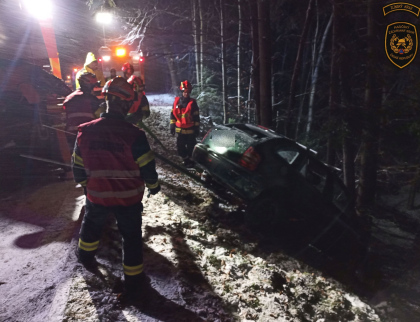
x=81, y=106
x=185, y=121
x=112, y=159
x=140, y=109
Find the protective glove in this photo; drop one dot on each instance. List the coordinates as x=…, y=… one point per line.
x=154, y=190
x=172, y=129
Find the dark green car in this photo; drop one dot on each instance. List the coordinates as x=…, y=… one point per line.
x=280, y=179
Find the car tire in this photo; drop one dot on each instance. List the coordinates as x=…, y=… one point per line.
x=266, y=212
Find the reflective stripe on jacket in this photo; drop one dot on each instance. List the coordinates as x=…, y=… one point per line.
x=79, y=108
x=114, y=154
x=183, y=115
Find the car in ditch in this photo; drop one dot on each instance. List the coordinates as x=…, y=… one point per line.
x=280, y=180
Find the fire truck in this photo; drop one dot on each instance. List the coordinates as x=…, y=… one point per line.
x=116, y=56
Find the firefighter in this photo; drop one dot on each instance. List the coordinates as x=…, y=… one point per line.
x=185, y=121
x=140, y=109
x=91, y=66
x=112, y=74
x=81, y=106
x=113, y=161
x=127, y=70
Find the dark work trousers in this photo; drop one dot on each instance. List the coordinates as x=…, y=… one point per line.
x=71, y=140
x=185, y=145
x=129, y=224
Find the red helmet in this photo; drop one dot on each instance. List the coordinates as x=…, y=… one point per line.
x=119, y=88
x=186, y=86
x=87, y=80
x=126, y=67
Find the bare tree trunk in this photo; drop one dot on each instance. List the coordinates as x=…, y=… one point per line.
x=370, y=133
x=249, y=102
x=314, y=79
x=334, y=85
x=278, y=116
x=255, y=63
x=347, y=62
x=266, y=112
x=290, y=108
x=200, y=11
x=172, y=69
x=223, y=55
x=239, y=55
x=195, y=36
x=304, y=90
x=273, y=90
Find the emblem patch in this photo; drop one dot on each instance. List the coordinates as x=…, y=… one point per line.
x=401, y=43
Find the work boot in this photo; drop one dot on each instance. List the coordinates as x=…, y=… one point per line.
x=137, y=290
x=89, y=263
x=188, y=163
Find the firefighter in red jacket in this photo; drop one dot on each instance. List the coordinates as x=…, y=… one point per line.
x=185, y=121
x=81, y=106
x=112, y=160
x=140, y=109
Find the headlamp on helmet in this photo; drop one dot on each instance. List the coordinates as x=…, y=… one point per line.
x=186, y=86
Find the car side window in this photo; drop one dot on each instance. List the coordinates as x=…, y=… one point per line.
x=288, y=154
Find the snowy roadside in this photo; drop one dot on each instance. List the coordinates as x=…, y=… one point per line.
x=202, y=270
x=36, y=226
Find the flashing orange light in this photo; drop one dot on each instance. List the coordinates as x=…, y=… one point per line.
x=121, y=52
x=75, y=69
x=68, y=76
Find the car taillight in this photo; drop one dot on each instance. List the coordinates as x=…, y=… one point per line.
x=250, y=159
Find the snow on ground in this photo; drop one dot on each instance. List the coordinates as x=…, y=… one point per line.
x=201, y=270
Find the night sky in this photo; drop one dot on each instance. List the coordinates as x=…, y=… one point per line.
x=75, y=27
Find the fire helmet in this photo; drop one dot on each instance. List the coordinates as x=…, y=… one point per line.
x=87, y=80
x=118, y=87
x=126, y=67
x=186, y=86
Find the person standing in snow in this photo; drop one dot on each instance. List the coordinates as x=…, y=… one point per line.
x=140, y=108
x=80, y=106
x=113, y=161
x=185, y=121
x=91, y=66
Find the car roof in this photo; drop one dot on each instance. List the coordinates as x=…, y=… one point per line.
x=259, y=133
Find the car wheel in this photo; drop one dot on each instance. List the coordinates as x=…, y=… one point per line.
x=266, y=212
